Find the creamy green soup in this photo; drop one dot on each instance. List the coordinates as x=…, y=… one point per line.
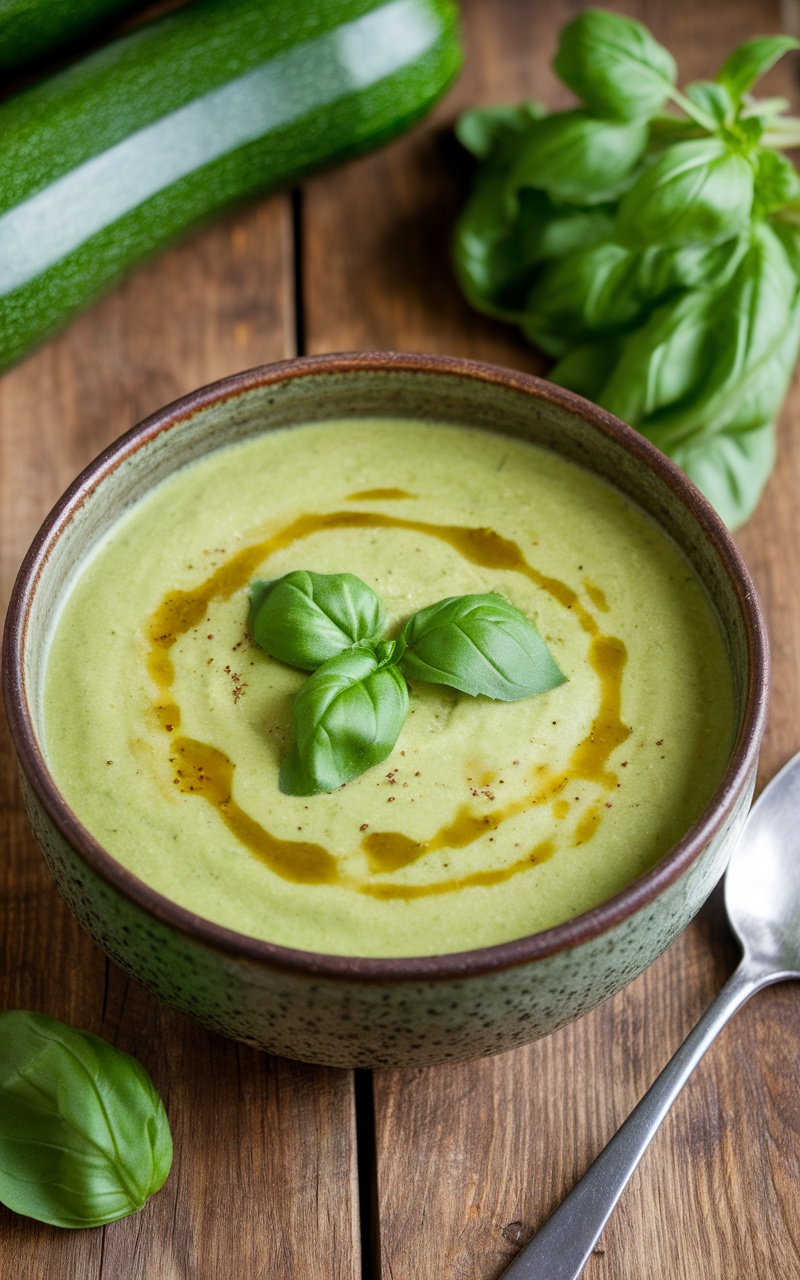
x=166, y=726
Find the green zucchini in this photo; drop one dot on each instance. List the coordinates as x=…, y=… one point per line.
x=113, y=158
x=30, y=29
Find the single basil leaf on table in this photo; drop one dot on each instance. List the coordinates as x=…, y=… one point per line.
x=346, y=718
x=305, y=618
x=482, y=129
x=614, y=65
x=694, y=191
x=84, y=1137
x=479, y=644
x=751, y=60
x=578, y=158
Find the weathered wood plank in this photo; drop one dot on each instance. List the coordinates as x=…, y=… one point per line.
x=264, y=1181
x=472, y=1158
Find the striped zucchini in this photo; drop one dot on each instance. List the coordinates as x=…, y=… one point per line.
x=108, y=161
x=32, y=28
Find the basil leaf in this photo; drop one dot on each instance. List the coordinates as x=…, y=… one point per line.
x=84, y=1138
x=694, y=191
x=306, y=618
x=585, y=292
x=716, y=100
x=789, y=235
x=501, y=239
x=483, y=129
x=575, y=157
x=346, y=718
x=753, y=338
x=585, y=370
x=751, y=60
x=614, y=65
x=731, y=469
x=663, y=361
x=479, y=644
x=664, y=270
x=777, y=183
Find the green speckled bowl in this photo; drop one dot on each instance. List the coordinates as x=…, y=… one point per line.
x=380, y=1012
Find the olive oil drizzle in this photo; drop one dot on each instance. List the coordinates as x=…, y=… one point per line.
x=201, y=769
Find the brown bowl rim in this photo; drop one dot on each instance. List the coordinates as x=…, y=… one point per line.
x=449, y=966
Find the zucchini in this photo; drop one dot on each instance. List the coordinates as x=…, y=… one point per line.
x=31, y=28
x=113, y=158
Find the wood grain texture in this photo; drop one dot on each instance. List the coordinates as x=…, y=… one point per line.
x=472, y=1158
x=263, y=1182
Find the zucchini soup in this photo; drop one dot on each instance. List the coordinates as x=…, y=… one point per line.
x=166, y=726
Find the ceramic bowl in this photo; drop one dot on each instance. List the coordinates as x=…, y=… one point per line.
x=380, y=1012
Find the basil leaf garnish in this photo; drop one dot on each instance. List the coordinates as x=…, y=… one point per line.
x=84, y=1138
x=346, y=718
x=479, y=644
x=305, y=618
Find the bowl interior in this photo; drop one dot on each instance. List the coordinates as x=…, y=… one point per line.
x=414, y=387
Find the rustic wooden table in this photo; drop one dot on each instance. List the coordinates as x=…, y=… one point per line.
x=284, y=1170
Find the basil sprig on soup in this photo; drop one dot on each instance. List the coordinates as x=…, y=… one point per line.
x=348, y=715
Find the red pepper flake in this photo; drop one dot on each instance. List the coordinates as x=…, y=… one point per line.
x=417, y=774
x=515, y=761
x=363, y=826
x=389, y=799
x=660, y=743
x=624, y=764
x=109, y=761
x=209, y=637
x=608, y=804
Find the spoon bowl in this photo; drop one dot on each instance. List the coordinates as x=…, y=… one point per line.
x=762, y=883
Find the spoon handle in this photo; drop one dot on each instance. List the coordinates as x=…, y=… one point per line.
x=561, y=1248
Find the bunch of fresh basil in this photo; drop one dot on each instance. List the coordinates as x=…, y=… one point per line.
x=84, y=1137
x=348, y=715
x=656, y=257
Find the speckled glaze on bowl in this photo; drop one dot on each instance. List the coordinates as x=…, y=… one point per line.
x=379, y=1012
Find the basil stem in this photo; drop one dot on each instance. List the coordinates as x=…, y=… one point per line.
x=346, y=718
x=305, y=618
x=479, y=644
x=84, y=1138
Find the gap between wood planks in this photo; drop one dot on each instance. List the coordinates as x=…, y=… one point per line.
x=363, y=1089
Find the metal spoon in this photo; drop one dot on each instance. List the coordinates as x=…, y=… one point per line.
x=762, y=898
